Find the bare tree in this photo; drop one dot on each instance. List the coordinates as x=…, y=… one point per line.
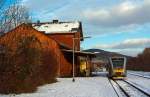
x=13, y=16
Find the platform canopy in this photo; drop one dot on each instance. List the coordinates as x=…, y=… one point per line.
x=79, y=53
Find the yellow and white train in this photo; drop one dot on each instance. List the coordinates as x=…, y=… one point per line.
x=117, y=67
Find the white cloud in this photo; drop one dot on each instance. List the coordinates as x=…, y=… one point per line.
x=127, y=44
x=130, y=47
x=130, y=52
x=125, y=14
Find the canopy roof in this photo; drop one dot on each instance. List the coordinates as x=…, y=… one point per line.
x=80, y=53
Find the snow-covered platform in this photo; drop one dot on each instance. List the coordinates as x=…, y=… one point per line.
x=98, y=86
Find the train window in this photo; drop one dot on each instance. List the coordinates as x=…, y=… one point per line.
x=118, y=63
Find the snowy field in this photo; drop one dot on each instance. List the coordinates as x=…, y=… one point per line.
x=83, y=87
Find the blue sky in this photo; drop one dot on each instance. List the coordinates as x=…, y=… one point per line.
x=116, y=25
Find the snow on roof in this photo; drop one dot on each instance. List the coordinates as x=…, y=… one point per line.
x=60, y=27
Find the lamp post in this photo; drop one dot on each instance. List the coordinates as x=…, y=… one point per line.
x=73, y=58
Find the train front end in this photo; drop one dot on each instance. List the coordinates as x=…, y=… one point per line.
x=118, y=67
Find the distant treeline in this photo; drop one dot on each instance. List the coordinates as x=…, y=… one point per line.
x=141, y=62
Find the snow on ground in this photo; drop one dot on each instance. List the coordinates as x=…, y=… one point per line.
x=140, y=73
x=98, y=86
x=144, y=83
x=132, y=92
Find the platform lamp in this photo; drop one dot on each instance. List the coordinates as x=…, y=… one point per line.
x=73, y=68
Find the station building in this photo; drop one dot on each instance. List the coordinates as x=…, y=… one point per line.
x=66, y=35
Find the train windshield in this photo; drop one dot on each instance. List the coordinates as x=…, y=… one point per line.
x=118, y=62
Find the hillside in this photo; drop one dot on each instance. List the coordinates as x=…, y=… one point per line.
x=104, y=55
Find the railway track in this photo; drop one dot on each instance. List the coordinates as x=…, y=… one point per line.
x=118, y=90
x=147, y=77
x=125, y=88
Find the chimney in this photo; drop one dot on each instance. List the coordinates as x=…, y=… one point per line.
x=38, y=23
x=55, y=21
x=74, y=30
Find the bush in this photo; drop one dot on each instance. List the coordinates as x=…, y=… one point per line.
x=26, y=62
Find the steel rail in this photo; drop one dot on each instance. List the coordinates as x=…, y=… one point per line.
x=113, y=88
x=147, y=94
x=123, y=91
